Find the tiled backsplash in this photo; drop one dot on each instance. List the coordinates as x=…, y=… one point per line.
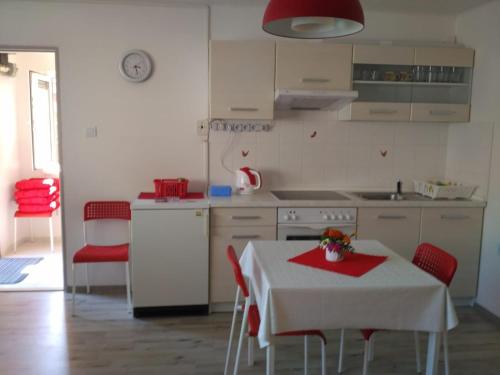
x=315, y=150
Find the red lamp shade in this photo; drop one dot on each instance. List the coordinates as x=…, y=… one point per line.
x=313, y=19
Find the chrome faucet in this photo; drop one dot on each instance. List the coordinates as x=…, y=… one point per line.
x=398, y=195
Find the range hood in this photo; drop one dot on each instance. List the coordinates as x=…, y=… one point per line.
x=313, y=100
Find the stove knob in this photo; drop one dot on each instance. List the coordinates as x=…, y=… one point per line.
x=348, y=217
x=326, y=217
x=341, y=217
x=294, y=217
x=286, y=217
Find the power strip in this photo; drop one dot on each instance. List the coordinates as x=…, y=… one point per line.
x=239, y=126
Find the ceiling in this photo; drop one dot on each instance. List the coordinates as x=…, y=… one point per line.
x=444, y=7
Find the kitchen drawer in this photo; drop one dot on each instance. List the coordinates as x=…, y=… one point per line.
x=243, y=217
x=457, y=231
x=430, y=112
x=222, y=284
x=313, y=66
x=396, y=228
x=441, y=56
x=384, y=55
x=372, y=111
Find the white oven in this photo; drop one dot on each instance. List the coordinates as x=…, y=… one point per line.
x=304, y=224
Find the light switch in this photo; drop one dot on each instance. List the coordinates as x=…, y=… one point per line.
x=91, y=132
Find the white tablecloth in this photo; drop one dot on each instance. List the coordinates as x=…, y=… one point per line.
x=396, y=295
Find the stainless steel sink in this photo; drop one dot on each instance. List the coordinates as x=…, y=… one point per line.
x=388, y=196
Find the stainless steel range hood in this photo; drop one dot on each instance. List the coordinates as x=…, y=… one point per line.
x=313, y=100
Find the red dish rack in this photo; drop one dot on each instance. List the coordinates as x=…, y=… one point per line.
x=171, y=188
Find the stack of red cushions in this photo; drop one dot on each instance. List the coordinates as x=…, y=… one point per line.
x=37, y=195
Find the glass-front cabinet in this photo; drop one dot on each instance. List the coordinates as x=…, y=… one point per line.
x=422, y=84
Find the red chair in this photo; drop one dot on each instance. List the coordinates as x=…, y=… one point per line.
x=252, y=318
x=437, y=263
x=103, y=210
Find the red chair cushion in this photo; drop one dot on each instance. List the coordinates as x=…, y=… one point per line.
x=33, y=214
x=254, y=324
x=98, y=254
x=253, y=321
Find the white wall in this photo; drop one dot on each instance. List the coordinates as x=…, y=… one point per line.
x=9, y=161
x=144, y=130
x=343, y=154
x=480, y=29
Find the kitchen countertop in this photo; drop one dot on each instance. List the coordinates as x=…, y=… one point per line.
x=266, y=199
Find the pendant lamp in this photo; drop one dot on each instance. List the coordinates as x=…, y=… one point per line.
x=313, y=19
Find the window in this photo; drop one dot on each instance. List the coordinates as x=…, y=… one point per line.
x=43, y=120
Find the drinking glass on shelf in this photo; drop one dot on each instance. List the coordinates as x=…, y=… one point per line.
x=456, y=75
x=365, y=76
x=418, y=74
x=442, y=75
x=375, y=75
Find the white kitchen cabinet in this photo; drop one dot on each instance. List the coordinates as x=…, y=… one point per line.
x=170, y=260
x=397, y=228
x=444, y=56
x=242, y=79
x=234, y=226
x=438, y=112
x=375, y=111
x=379, y=54
x=457, y=231
x=311, y=65
x=422, y=84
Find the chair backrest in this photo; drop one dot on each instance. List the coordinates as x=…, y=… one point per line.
x=238, y=275
x=96, y=210
x=436, y=261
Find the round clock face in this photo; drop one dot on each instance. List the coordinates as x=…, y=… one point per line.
x=136, y=66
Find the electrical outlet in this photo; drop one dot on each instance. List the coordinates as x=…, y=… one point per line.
x=91, y=132
x=202, y=128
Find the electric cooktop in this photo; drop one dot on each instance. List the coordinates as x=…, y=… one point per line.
x=309, y=195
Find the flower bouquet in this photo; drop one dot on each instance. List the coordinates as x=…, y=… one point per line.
x=336, y=244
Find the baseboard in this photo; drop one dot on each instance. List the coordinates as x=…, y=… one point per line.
x=488, y=315
x=144, y=312
x=221, y=307
x=99, y=289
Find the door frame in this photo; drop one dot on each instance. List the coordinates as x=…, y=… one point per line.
x=55, y=50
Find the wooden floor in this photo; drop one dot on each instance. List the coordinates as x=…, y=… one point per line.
x=39, y=336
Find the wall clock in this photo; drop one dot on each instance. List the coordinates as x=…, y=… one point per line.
x=136, y=66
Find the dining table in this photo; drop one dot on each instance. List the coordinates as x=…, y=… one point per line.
x=394, y=295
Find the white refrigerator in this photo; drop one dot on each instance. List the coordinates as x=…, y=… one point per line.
x=170, y=258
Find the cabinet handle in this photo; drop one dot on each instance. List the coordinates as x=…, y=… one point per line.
x=245, y=217
x=383, y=111
x=206, y=224
x=442, y=113
x=455, y=217
x=316, y=80
x=391, y=217
x=243, y=109
x=245, y=237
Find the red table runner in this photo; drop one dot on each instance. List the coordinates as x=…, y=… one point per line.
x=188, y=196
x=354, y=264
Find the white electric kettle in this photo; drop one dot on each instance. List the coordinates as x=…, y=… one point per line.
x=247, y=180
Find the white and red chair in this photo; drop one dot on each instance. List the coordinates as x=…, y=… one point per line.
x=103, y=210
x=439, y=264
x=251, y=318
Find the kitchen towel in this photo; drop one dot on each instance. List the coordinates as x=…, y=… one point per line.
x=354, y=264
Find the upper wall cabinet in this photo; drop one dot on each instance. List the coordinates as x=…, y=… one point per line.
x=313, y=66
x=242, y=79
x=423, y=84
